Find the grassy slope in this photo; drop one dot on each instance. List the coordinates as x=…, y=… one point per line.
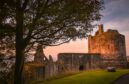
x=88, y=77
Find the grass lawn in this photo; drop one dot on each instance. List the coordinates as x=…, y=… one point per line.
x=87, y=77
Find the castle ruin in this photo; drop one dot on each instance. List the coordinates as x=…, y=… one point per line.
x=42, y=67
x=78, y=61
x=111, y=46
x=104, y=49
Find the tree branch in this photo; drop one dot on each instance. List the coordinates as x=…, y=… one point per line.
x=31, y=28
x=59, y=43
x=25, y=4
x=29, y=48
x=47, y=44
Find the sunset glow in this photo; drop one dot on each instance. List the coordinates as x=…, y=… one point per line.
x=115, y=16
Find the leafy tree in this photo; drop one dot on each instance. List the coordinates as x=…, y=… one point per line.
x=7, y=71
x=47, y=22
x=7, y=30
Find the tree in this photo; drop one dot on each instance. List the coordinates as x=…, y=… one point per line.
x=7, y=71
x=7, y=30
x=49, y=23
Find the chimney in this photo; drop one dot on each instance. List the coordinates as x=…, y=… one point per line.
x=100, y=28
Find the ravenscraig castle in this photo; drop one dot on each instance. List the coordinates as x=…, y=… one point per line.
x=104, y=49
x=111, y=46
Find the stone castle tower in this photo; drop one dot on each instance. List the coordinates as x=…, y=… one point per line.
x=110, y=44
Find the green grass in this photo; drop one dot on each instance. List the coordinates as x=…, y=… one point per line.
x=87, y=77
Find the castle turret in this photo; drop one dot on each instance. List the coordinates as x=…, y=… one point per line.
x=100, y=29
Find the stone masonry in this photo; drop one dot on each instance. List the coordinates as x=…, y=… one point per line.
x=78, y=61
x=111, y=46
x=41, y=68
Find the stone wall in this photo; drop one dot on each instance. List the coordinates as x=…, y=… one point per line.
x=41, y=68
x=78, y=61
x=110, y=44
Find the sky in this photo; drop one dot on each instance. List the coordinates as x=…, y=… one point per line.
x=115, y=16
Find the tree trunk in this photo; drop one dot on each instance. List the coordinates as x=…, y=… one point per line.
x=20, y=46
x=19, y=64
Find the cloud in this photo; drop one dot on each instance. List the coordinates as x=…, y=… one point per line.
x=116, y=16
x=120, y=25
x=109, y=1
x=115, y=10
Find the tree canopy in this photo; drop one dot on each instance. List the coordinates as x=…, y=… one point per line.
x=47, y=22
x=50, y=22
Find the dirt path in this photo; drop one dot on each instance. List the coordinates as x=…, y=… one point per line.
x=122, y=80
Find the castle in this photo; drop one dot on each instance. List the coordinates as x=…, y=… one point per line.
x=104, y=49
x=111, y=46
x=108, y=48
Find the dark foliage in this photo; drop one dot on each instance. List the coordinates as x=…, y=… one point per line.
x=48, y=22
